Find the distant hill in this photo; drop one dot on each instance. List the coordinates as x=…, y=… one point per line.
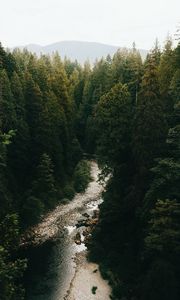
x=77, y=50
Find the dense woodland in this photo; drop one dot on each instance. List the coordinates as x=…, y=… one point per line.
x=127, y=112
x=137, y=241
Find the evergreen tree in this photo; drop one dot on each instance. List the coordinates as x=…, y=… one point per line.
x=5, y=197
x=150, y=126
x=112, y=115
x=7, y=109
x=44, y=184
x=34, y=107
x=162, y=245
x=11, y=269
x=19, y=148
x=167, y=170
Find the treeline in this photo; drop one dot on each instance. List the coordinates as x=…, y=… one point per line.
x=40, y=155
x=137, y=127
x=124, y=110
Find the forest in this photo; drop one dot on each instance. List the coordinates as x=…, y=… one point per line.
x=126, y=112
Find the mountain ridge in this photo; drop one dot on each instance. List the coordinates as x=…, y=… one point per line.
x=78, y=50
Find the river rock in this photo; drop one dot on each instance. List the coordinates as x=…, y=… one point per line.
x=96, y=214
x=92, y=222
x=78, y=239
x=81, y=223
x=87, y=231
x=86, y=215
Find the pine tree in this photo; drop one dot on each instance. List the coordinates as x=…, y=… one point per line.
x=166, y=68
x=167, y=170
x=34, y=108
x=162, y=245
x=112, y=116
x=150, y=126
x=11, y=268
x=7, y=109
x=44, y=184
x=18, y=152
x=5, y=197
x=166, y=71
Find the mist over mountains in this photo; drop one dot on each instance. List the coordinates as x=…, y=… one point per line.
x=77, y=50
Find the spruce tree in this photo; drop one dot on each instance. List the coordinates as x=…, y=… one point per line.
x=150, y=126
x=113, y=114
x=7, y=109
x=44, y=184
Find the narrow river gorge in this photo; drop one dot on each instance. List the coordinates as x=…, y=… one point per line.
x=58, y=268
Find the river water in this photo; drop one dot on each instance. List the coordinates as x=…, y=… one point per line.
x=58, y=268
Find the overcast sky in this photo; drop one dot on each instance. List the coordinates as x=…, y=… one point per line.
x=115, y=22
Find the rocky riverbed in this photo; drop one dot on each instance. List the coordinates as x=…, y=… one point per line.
x=56, y=248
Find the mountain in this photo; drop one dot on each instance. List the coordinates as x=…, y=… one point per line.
x=77, y=50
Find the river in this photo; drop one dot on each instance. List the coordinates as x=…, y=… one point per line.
x=58, y=268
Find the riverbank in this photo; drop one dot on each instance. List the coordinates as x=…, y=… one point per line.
x=87, y=283
x=54, y=222
x=64, y=272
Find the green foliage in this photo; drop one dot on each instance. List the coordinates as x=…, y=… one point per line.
x=5, y=196
x=31, y=211
x=127, y=112
x=175, y=86
x=11, y=270
x=10, y=274
x=127, y=69
x=9, y=232
x=160, y=282
x=81, y=176
x=166, y=173
x=38, y=145
x=7, y=109
x=112, y=116
x=69, y=192
x=42, y=195
x=164, y=233
x=75, y=154
x=150, y=128
x=137, y=237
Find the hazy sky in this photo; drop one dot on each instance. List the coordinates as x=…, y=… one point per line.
x=116, y=22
